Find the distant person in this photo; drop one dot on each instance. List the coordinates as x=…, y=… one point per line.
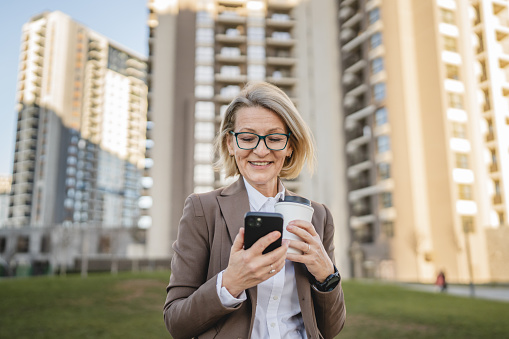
x=217, y=288
x=440, y=282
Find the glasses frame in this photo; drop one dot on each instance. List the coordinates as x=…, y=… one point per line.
x=261, y=137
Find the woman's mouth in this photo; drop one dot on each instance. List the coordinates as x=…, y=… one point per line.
x=260, y=163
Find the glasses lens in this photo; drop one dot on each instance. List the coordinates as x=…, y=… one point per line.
x=247, y=140
x=276, y=142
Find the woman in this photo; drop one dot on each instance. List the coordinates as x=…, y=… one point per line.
x=217, y=288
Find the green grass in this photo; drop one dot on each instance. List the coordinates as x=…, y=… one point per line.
x=130, y=306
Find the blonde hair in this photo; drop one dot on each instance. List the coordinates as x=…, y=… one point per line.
x=268, y=96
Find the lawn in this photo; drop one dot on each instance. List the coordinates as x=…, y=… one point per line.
x=130, y=306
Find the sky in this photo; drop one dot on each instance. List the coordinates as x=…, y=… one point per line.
x=122, y=21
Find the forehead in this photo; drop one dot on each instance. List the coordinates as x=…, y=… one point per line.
x=258, y=119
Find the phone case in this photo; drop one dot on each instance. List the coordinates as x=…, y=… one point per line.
x=259, y=224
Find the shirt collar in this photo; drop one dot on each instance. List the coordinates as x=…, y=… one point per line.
x=257, y=200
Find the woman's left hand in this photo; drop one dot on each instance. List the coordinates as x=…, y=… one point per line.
x=314, y=255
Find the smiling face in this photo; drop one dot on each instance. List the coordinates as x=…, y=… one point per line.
x=259, y=166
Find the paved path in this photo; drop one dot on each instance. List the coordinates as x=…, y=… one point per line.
x=499, y=293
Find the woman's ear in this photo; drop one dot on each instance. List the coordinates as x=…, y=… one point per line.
x=230, y=145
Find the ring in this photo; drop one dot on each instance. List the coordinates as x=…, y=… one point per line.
x=309, y=248
x=272, y=271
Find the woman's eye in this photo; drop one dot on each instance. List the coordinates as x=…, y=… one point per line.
x=275, y=139
x=247, y=139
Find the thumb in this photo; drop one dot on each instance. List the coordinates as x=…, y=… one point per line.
x=238, y=244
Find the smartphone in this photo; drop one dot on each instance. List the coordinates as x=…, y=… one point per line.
x=259, y=224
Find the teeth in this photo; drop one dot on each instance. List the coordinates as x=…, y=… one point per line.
x=260, y=163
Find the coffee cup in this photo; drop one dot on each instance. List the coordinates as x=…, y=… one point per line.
x=294, y=208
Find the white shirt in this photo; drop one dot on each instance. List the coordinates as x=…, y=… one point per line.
x=278, y=314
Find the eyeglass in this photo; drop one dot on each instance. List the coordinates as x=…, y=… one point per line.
x=274, y=141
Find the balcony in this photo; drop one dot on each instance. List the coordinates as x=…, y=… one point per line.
x=494, y=168
x=279, y=22
x=230, y=78
x=490, y=137
x=287, y=42
x=281, y=61
x=231, y=39
x=282, y=80
x=231, y=18
x=497, y=199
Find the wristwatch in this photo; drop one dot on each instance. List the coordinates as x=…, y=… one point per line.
x=330, y=282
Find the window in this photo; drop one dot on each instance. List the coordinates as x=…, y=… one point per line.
x=384, y=170
x=452, y=72
x=203, y=174
x=205, y=54
x=256, y=33
x=204, y=73
x=364, y=233
x=468, y=224
x=459, y=130
x=381, y=116
x=204, y=91
x=377, y=65
x=450, y=44
x=256, y=52
x=501, y=218
x=383, y=143
x=376, y=40
x=374, y=15
x=447, y=16
x=3, y=244
x=455, y=100
x=387, y=228
x=386, y=199
x=465, y=192
x=256, y=72
x=204, y=130
x=204, y=110
x=462, y=160
x=379, y=91
x=205, y=35
x=230, y=71
x=23, y=244
x=203, y=152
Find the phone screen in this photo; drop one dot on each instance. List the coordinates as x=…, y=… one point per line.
x=259, y=224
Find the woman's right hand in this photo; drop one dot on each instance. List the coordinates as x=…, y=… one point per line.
x=248, y=268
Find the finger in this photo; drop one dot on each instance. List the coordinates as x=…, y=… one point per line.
x=300, y=232
x=306, y=225
x=238, y=243
x=261, y=244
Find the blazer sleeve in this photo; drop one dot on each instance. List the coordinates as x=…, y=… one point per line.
x=329, y=307
x=192, y=305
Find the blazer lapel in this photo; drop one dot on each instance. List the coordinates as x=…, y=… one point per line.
x=234, y=203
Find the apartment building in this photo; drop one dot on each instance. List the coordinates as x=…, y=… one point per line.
x=201, y=53
x=5, y=189
x=425, y=104
x=80, y=141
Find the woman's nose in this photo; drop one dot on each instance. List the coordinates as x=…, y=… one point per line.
x=261, y=149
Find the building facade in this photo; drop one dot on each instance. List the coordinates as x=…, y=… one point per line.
x=5, y=189
x=201, y=54
x=425, y=104
x=80, y=140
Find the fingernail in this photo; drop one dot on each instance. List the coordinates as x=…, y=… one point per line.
x=286, y=242
x=289, y=227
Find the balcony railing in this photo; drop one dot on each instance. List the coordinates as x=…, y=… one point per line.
x=497, y=199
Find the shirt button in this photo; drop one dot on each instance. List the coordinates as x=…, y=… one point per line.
x=273, y=324
x=275, y=297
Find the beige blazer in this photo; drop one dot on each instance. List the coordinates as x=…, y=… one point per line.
x=209, y=224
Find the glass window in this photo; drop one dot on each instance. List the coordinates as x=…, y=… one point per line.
x=465, y=192
x=230, y=51
x=468, y=223
x=383, y=143
x=379, y=91
x=205, y=35
x=459, y=130
x=230, y=70
x=256, y=72
x=384, y=170
x=376, y=40
x=256, y=33
x=202, y=91
x=203, y=17
x=204, y=110
x=203, y=174
x=281, y=35
x=381, y=116
x=452, y=72
x=256, y=52
x=374, y=15
x=462, y=160
x=388, y=228
x=205, y=54
x=377, y=65
x=450, y=44
x=447, y=16
x=386, y=199
x=455, y=100
x=203, y=152
x=204, y=73
x=204, y=130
